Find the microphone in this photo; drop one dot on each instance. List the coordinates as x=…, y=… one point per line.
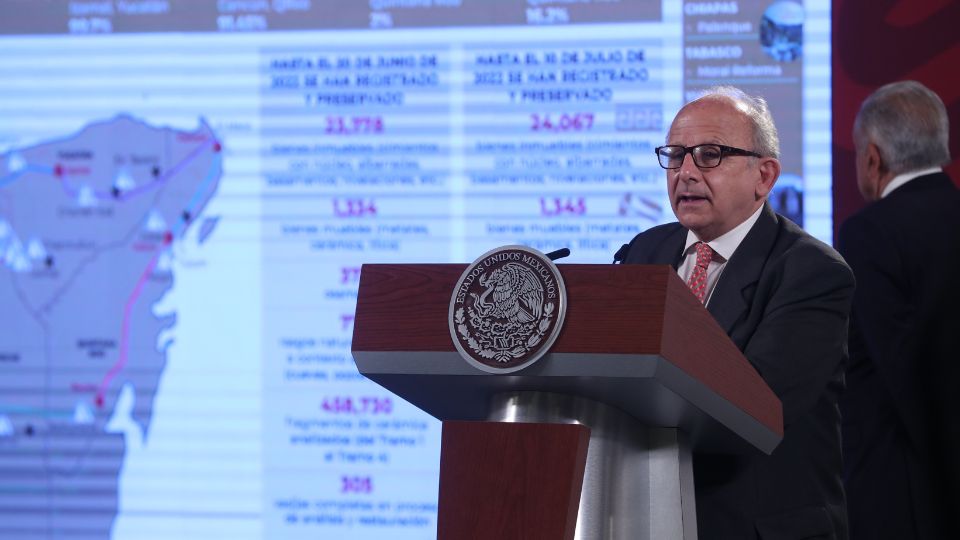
x=621, y=254
x=558, y=254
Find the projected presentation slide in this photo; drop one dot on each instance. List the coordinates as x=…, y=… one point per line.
x=188, y=191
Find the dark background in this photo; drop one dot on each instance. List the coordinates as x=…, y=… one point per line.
x=880, y=41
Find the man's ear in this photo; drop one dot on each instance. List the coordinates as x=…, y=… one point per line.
x=769, y=172
x=876, y=170
x=875, y=161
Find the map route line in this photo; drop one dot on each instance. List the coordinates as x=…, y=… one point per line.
x=169, y=173
x=59, y=172
x=124, y=195
x=87, y=380
x=125, y=330
x=196, y=201
x=10, y=178
x=35, y=411
x=168, y=237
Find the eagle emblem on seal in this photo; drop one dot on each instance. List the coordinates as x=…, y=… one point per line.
x=517, y=295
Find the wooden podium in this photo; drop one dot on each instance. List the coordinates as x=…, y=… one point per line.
x=592, y=441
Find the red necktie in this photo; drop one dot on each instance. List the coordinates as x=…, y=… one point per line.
x=698, y=279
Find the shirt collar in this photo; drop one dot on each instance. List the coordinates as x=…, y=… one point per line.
x=727, y=243
x=902, y=179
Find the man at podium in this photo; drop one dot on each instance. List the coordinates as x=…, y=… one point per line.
x=782, y=296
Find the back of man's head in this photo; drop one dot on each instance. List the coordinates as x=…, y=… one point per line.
x=908, y=123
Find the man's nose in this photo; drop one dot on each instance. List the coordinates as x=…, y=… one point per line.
x=688, y=170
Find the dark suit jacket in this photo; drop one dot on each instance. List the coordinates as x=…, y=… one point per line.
x=900, y=434
x=784, y=299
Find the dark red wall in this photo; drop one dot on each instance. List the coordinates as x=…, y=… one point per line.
x=881, y=41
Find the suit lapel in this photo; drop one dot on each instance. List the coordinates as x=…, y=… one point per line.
x=673, y=255
x=728, y=302
x=670, y=250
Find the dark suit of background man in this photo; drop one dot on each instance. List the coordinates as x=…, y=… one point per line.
x=899, y=428
x=782, y=296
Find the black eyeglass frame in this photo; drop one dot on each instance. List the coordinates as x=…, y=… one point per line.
x=724, y=151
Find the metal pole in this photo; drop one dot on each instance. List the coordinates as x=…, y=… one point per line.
x=638, y=481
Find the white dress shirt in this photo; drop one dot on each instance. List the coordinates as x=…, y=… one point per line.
x=723, y=248
x=902, y=179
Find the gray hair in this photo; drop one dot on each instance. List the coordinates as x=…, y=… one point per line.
x=766, y=141
x=908, y=123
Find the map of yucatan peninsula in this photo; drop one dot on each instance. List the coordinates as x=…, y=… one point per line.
x=87, y=226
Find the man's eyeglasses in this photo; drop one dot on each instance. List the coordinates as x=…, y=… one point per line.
x=705, y=156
